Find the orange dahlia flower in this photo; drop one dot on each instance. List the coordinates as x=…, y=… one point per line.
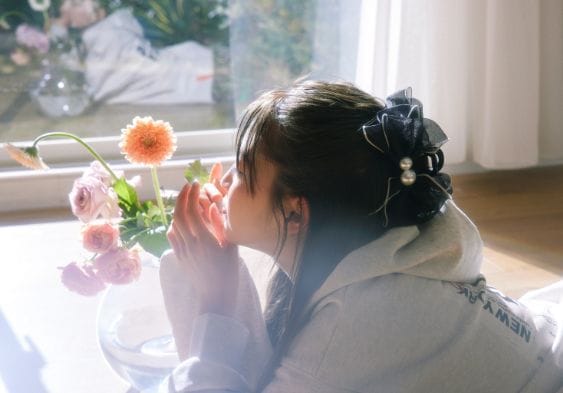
x=147, y=141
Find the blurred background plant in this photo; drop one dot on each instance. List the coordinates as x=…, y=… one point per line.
x=168, y=22
x=42, y=48
x=281, y=30
x=277, y=32
x=24, y=40
x=36, y=31
x=261, y=43
x=271, y=44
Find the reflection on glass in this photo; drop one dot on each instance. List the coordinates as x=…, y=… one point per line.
x=194, y=63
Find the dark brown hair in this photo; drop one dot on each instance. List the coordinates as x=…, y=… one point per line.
x=310, y=132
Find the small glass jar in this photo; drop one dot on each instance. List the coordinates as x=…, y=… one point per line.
x=61, y=88
x=61, y=91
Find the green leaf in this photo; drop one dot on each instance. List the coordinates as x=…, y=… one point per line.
x=127, y=195
x=129, y=228
x=196, y=171
x=153, y=212
x=154, y=241
x=142, y=221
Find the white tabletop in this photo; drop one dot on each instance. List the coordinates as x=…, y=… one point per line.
x=47, y=334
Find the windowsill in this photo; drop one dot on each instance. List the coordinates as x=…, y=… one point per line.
x=23, y=189
x=31, y=190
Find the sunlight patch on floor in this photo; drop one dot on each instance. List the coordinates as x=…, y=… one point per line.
x=513, y=275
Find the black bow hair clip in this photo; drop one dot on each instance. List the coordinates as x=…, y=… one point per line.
x=412, y=143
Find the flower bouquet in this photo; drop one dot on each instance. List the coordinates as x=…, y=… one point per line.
x=116, y=223
x=38, y=34
x=47, y=53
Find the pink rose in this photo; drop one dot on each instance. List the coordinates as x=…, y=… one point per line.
x=90, y=198
x=98, y=171
x=81, y=279
x=29, y=36
x=118, y=266
x=100, y=237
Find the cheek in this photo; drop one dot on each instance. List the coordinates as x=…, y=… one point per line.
x=234, y=210
x=249, y=222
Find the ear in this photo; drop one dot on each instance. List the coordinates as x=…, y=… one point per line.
x=297, y=214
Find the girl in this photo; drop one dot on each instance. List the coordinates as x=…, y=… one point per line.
x=378, y=288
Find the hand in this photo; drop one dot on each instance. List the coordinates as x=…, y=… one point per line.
x=212, y=267
x=211, y=202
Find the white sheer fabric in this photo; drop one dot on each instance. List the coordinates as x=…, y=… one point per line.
x=490, y=72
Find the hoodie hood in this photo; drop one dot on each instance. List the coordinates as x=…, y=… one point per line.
x=447, y=248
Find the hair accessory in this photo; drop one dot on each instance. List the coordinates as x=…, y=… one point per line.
x=408, y=177
x=412, y=144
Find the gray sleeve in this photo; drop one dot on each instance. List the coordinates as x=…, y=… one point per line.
x=218, y=353
x=215, y=360
x=301, y=368
x=217, y=357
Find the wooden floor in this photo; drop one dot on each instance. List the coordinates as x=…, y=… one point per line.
x=520, y=216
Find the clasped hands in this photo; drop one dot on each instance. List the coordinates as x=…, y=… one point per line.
x=197, y=238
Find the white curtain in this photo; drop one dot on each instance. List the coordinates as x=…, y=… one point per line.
x=490, y=72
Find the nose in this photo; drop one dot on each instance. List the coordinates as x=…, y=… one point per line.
x=227, y=178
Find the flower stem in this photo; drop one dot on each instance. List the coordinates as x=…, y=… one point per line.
x=81, y=141
x=46, y=21
x=156, y=186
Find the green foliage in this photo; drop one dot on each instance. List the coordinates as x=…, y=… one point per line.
x=153, y=241
x=278, y=31
x=127, y=195
x=15, y=12
x=196, y=171
x=142, y=222
x=168, y=22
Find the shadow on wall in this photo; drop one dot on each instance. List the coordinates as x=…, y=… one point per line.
x=19, y=367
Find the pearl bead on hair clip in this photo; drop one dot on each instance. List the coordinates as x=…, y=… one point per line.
x=408, y=177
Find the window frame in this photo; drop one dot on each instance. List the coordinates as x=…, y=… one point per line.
x=24, y=189
x=19, y=187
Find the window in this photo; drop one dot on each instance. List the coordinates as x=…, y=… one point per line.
x=89, y=66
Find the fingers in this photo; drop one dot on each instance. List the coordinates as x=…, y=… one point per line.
x=178, y=245
x=191, y=204
x=217, y=184
x=204, y=202
x=195, y=219
x=215, y=176
x=180, y=219
x=227, y=179
x=213, y=192
x=216, y=172
x=216, y=221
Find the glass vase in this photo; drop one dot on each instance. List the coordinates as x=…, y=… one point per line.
x=134, y=333
x=61, y=90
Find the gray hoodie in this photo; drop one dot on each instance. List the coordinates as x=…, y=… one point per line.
x=408, y=312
